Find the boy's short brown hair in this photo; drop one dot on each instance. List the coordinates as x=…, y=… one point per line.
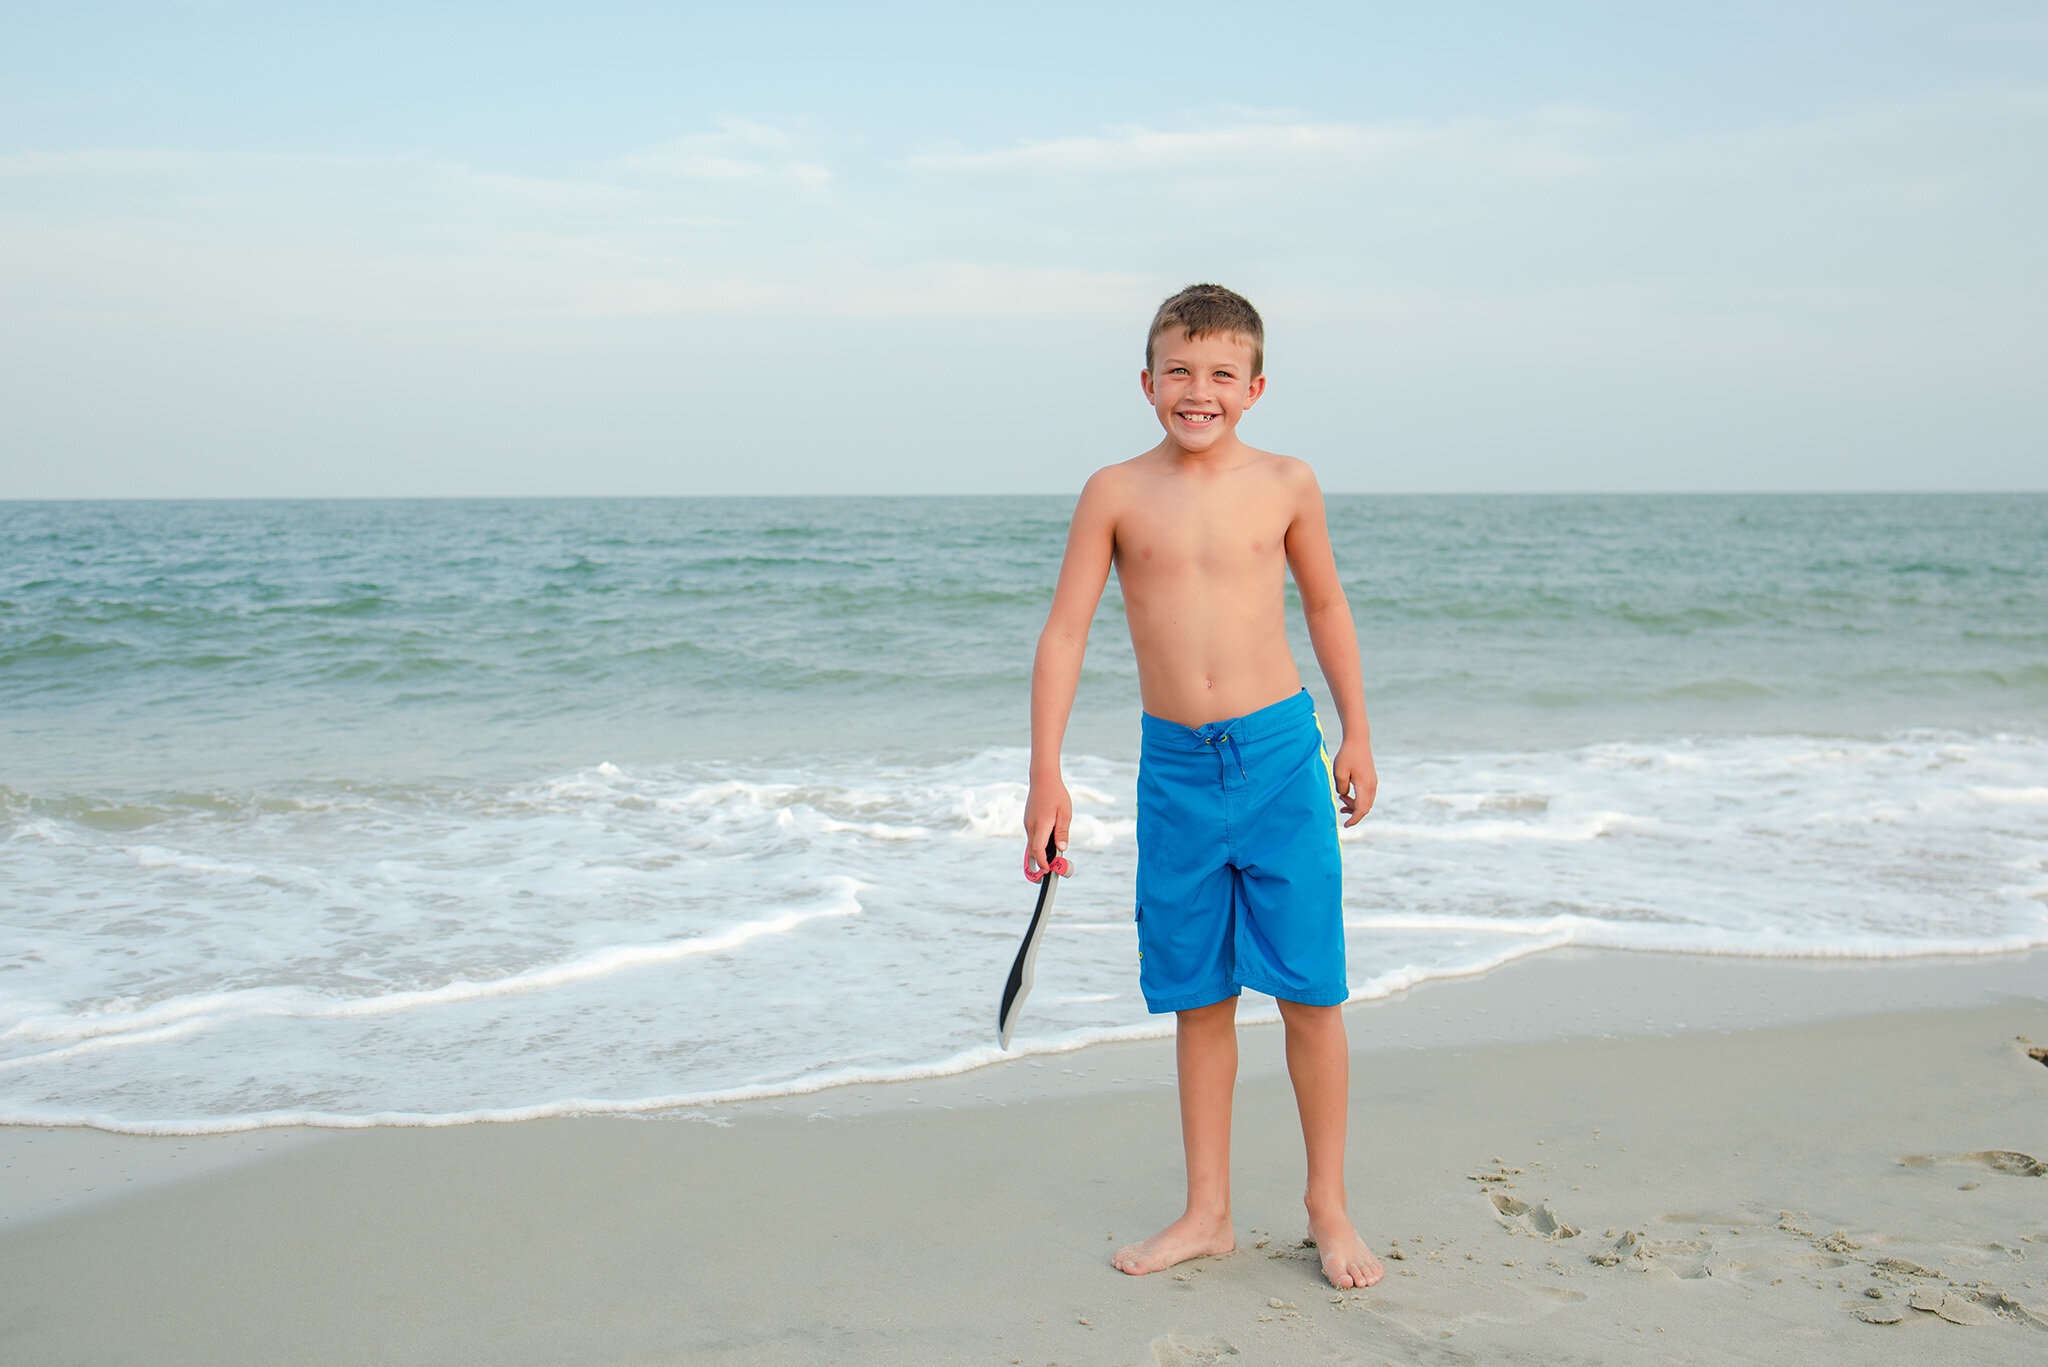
x=1203, y=311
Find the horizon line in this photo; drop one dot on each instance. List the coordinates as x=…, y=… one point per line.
x=1011, y=494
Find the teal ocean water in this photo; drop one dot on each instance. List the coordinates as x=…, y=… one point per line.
x=416, y=812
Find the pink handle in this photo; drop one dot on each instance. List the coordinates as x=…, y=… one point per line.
x=1059, y=866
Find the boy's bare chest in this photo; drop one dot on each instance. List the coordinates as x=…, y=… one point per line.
x=1208, y=540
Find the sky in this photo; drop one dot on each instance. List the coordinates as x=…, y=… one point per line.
x=515, y=249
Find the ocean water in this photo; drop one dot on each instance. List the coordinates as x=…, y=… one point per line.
x=357, y=813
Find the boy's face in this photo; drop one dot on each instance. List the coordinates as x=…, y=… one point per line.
x=1200, y=387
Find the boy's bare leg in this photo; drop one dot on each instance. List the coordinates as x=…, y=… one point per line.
x=1205, y=1050
x=1319, y=1061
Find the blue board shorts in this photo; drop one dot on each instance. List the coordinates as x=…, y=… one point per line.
x=1239, y=880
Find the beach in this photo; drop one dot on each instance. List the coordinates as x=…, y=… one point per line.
x=1580, y=1157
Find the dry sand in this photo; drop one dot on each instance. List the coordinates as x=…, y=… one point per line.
x=1818, y=1169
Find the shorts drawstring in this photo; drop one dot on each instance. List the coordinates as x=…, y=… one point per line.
x=1236, y=754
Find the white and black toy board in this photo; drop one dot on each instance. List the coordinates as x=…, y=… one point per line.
x=1019, y=985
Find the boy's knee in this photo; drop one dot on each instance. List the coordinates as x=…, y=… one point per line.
x=1310, y=1017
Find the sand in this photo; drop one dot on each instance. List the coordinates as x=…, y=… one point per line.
x=1583, y=1158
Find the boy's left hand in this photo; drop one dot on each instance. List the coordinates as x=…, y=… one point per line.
x=1358, y=782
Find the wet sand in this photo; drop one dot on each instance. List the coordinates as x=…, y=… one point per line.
x=1594, y=1158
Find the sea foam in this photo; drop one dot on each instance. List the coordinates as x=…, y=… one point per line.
x=627, y=939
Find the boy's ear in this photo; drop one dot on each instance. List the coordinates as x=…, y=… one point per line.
x=1145, y=383
x=1253, y=390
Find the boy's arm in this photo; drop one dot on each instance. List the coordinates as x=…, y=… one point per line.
x=1335, y=638
x=1056, y=669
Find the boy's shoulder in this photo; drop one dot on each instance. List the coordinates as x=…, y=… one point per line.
x=1290, y=472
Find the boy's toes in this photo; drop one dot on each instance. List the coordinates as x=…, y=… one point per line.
x=1347, y=1262
x=1352, y=1267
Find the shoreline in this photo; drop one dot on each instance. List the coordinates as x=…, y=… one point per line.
x=1749, y=1155
x=1753, y=1181
x=1557, y=994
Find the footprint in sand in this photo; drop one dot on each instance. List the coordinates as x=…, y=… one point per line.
x=1930, y=1292
x=1992, y=1255
x=1999, y=1303
x=1523, y=1218
x=1762, y=1266
x=1634, y=1249
x=1953, y=1306
x=1992, y=1160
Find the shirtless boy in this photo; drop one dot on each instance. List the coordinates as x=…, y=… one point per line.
x=1238, y=877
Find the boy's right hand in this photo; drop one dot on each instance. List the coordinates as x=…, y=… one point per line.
x=1047, y=813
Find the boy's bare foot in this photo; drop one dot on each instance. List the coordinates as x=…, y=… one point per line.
x=1191, y=1236
x=1347, y=1262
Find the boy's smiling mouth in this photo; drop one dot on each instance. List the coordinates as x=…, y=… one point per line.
x=1197, y=417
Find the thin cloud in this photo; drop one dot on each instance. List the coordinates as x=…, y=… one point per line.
x=543, y=200
x=740, y=152
x=1548, y=143
x=41, y=165
x=742, y=217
